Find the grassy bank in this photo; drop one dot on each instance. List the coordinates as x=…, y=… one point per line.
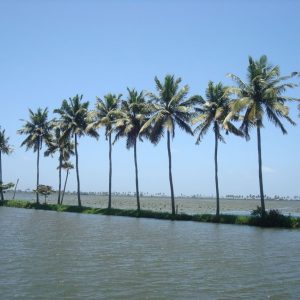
x=269, y=221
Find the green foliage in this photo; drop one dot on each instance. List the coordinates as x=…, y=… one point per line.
x=60, y=142
x=262, y=95
x=4, y=143
x=273, y=218
x=44, y=190
x=6, y=186
x=213, y=111
x=104, y=114
x=37, y=129
x=131, y=117
x=170, y=107
x=258, y=212
x=18, y=204
x=75, y=117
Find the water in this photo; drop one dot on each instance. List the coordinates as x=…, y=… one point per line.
x=51, y=255
x=184, y=205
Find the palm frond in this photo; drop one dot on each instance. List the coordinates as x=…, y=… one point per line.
x=202, y=128
x=5, y=147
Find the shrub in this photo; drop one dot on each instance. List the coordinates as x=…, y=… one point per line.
x=272, y=218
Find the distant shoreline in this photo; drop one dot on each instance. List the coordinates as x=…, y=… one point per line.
x=158, y=195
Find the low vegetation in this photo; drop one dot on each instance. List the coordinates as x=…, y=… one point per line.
x=272, y=218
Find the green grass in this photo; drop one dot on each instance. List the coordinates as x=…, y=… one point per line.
x=269, y=221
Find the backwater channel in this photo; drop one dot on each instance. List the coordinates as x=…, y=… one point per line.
x=54, y=255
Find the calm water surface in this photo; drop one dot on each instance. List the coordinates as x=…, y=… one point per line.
x=51, y=255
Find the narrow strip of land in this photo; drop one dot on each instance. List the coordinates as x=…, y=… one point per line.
x=271, y=220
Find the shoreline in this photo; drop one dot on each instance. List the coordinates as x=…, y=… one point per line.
x=280, y=221
x=161, y=196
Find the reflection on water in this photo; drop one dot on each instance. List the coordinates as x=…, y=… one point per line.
x=51, y=255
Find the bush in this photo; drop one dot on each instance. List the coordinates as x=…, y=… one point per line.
x=271, y=218
x=257, y=212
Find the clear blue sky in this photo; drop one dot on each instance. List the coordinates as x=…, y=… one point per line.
x=52, y=50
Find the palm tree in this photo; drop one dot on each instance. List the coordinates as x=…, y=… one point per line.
x=212, y=113
x=74, y=118
x=37, y=129
x=5, y=148
x=130, y=119
x=262, y=94
x=65, y=147
x=104, y=115
x=170, y=107
x=66, y=166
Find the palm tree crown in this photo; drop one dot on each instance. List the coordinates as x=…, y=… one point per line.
x=37, y=129
x=131, y=117
x=5, y=148
x=262, y=94
x=129, y=120
x=213, y=112
x=74, y=119
x=105, y=110
x=170, y=107
x=61, y=143
x=105, y=116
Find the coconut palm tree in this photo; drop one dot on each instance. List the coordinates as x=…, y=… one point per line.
x=64, y=146
x=170, y=107
x=37, y=130
x=66, y=166
x=74, y=119
x=129, y=120
x=262, y=94
x=105, y=117
x=212, y=113
x=5, y=148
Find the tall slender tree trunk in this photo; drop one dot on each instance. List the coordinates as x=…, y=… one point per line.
x=216, y=171
x=77, y=172
x=59, y=179
x=63, y=193
x=1, y=182
x=110, y=171
x=136, y=179
x=38, y=172
x=15, y=189
x=261, y=188
x=170, y=174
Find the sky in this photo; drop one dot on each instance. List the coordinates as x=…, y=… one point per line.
x=53, y=50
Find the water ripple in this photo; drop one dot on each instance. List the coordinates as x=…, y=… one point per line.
x=51, y=255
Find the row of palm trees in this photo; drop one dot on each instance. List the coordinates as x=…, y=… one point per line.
x=151, y=115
